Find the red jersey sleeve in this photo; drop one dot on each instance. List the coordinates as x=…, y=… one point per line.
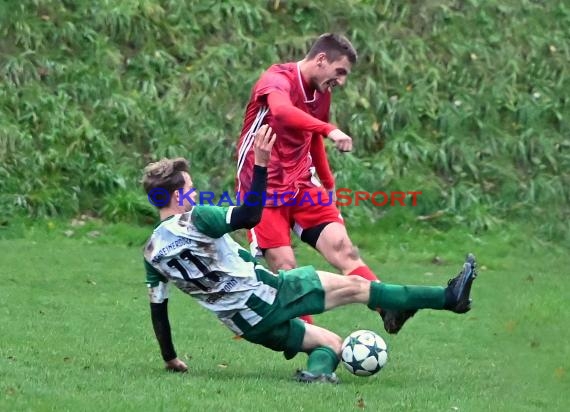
x=321, y=162
x=283, y=110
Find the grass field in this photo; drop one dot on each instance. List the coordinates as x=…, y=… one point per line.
x=76, y=331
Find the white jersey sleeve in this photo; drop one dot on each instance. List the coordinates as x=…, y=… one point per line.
x=157, y=284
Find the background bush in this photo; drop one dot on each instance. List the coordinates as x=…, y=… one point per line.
x=464, y=100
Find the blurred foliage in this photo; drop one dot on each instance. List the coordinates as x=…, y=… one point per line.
x=466, y=101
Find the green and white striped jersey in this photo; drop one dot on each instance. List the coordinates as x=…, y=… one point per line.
x=195, y=253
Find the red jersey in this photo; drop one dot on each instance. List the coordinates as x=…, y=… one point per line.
x=291, y=166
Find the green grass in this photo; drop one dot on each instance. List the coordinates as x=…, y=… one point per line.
x=76, y=332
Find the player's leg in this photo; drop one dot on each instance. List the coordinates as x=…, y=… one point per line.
x=332, y=241
x=271, y=237
x=280, y=258
x=283, y=258
x=343, y=290
x=339, y=290
x=304, y=290
x=273, y=232
x=323, y=348
x=297, y=291
x=293, y=336
x=336, y=247
x=319, y=224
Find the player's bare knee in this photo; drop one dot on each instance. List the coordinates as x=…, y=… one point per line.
x=357, y=285
x=283, y=265
x=346, y=250
x=353, y=253
x=334, y=342
x=316, y=336
x=281, y=258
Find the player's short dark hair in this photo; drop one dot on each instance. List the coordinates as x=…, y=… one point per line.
x=334, y=46
x=165, y=174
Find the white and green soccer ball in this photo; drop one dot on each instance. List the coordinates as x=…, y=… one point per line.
x=364, y=353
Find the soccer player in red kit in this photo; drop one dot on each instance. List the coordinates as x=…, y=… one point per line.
x=294, y=100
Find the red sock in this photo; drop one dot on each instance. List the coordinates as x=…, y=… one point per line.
x=364, y=272
x=307, y=319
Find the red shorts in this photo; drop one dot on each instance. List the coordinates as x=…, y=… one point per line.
x=311, y=207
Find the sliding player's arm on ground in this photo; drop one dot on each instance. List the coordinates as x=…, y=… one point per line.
x=158, y=295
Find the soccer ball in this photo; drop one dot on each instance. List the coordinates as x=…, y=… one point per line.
x=364, y=353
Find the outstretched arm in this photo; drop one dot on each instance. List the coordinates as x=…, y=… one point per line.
x=287, y=114
x=249, y=213
x=158, y=295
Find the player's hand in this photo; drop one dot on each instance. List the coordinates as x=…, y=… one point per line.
x=264, y=140
x=342, y=141
x=176, y=365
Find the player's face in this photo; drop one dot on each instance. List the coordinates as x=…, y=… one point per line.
x=332, y=74
x=188, y=185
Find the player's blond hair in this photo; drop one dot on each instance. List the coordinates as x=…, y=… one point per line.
x=165, y=174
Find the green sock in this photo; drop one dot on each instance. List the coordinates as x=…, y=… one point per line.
x=322, y=360
x=401, y=297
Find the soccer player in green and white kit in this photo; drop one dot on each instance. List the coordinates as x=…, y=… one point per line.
x=192, y=249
